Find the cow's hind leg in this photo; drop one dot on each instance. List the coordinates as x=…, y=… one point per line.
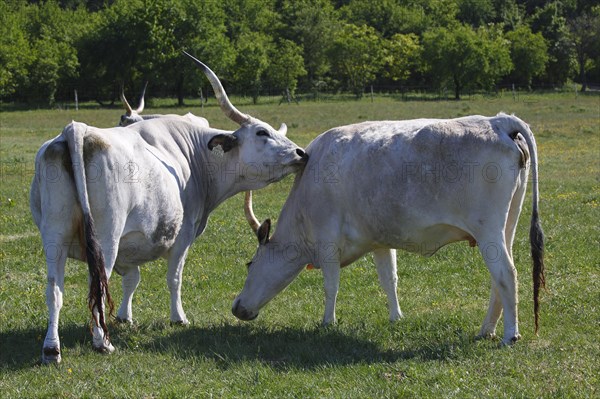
x=56, y=257
x=488, y=328
x=131, y=280
x=101, y=341
x=385, y=260
x=504, y=276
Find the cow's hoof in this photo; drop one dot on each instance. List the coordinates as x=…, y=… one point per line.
x=511, y=341
x=328, y=323
x=180, y=323
x=123, y=321
x=396, y=317
x=51, y=356
x=486, y=336
x=105, y=349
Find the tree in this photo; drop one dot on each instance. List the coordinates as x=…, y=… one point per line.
x=586, y=37
x=203, y=33
x=496, y=61
x=529, y=54
x=476, y=12
x=464, y=58
x=402, y=56
x=358, y=56
x=172, y=26
x=286, y=66
x=508, y=13
x=252, y=60
x=252, y=26
x=15, y=53
x=312, y=25
x=111, y=49
x=550, y=20
x=383, y=15
x=439, y=13
x=36, y=49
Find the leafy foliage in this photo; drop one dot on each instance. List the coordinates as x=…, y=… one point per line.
x=357, y=55
x=465, y=59
x=49, y=48
x=529, y=54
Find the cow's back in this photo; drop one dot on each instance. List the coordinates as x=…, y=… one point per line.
x=127, y=182
x=414, y=184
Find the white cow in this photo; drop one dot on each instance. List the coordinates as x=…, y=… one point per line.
x=415, y=185
x=132, y=116
x=123, y=196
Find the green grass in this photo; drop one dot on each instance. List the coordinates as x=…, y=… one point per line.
x=284, y=353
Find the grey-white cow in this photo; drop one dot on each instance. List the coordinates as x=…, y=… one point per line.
x=123, y=196
x=132, y=116
x=415, y=185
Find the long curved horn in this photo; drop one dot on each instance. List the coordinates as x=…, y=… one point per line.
x=142, y=103
x=252, y=220
x=226, y=106
x=125, y=103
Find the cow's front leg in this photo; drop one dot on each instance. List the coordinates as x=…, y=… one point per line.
x=385, y=260
x=131, y=280
x=331, y=276
x=174, y=279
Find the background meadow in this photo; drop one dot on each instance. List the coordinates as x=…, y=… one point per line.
x=285, y=352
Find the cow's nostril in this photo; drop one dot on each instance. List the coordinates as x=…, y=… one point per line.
x=301, y=153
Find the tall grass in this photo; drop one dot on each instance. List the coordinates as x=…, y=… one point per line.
x=284, y=353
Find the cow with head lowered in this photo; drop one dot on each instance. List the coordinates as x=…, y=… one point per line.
x=132, y=116
x=415, y=185
x=120, y=197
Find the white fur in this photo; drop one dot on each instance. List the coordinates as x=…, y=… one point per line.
x=150, y=188
x=414, y=185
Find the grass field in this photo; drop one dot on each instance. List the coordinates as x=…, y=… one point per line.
x=285, y=353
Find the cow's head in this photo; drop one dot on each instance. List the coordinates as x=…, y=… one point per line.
x=273, y=267
x=269, y=272
x=265, y=155
x=132, y=115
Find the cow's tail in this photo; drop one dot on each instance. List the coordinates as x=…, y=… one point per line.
x=74, y=134
x=536, y=235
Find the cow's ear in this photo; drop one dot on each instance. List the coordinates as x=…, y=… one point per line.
x=263, y=232
x=283, y=129
x=226, y=141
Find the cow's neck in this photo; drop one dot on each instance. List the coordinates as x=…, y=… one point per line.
x=215, y=175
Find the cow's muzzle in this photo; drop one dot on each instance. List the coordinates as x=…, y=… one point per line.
x=241, y=313
x=302, y=154
x=303, y=157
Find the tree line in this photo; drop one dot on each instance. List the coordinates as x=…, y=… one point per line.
x=48, y=48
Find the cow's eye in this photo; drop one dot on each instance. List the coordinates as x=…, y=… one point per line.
x=262, y=133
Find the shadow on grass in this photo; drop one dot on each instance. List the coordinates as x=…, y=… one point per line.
x=226, y=345
x=290, y=348
x=23, y=348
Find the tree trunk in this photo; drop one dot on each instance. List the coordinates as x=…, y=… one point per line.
x=582, y=72
x=456, y=88
x=180, y=93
